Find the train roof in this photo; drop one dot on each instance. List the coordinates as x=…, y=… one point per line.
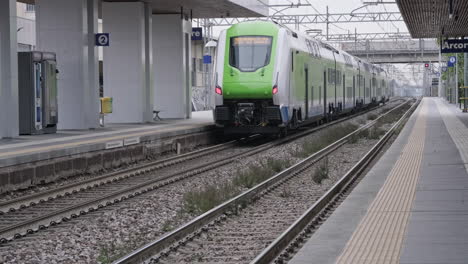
x=326, y=49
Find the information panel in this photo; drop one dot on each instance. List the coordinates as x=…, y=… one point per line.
x=197, y=33
x=454, y=46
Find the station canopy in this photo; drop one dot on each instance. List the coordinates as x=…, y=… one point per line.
x=435, y=18
x=202, y=8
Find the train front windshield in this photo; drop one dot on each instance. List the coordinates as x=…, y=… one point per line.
x=250, y=53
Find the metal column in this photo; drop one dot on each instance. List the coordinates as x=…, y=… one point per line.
x=465, y=80
x=9, y=119
x=456, y=83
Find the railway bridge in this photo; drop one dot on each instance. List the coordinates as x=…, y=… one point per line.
x=394, y=51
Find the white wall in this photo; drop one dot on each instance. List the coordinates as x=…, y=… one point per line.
x=26, y=28
x=127, y=61
x=27, y=31
x=172, y=80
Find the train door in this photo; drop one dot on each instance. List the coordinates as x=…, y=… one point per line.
x=364, y=84
x=325, y=92
x=354, y=91
x=345, y=96
x=306, y=73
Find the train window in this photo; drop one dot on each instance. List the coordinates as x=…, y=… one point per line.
x=250, y=53
x=331, y=75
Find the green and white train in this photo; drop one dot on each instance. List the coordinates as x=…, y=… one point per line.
x=269, y=78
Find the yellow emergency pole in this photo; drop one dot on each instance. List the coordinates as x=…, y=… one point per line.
x=106, y=105
x=106, y=108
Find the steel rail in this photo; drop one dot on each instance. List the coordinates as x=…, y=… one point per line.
x=178, y=234
x=33, y=199
x=55, y=217
x=279, y=244
x=31, y=225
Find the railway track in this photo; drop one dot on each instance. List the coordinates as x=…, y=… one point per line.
x=255, y=226
x=29, y=214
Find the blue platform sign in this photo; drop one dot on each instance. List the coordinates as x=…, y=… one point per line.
x=444, y=68
x=102, y=39
x=197, y=33
x=206, y=59
x=451, y=62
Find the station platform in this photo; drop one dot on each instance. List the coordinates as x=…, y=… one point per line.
x=32, y=152
x=411, y=207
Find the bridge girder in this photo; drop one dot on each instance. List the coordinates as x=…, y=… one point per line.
x=415, y=57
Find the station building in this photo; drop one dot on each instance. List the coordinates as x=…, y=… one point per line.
x=148, y=65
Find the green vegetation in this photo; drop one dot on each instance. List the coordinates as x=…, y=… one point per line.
x=200, y=201
x=373, y=133
x=286, y=191
x=326, y=138
x=361, y=121
x=167, y=226
x=321, y=173
x=372, y=116
x=277, y=165
x=104, y=256
x=110, y=253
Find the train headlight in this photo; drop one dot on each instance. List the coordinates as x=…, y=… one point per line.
x=218, y=90
x=275, y=89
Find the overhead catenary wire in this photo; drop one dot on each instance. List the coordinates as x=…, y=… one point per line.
x=318, y=12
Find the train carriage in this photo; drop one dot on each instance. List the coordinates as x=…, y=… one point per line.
x=269, y=78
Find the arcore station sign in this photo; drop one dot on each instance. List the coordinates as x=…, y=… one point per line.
x=454, y=46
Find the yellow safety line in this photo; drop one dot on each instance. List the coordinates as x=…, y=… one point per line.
x=92, y=141
x=379, y=236
x=457, y=130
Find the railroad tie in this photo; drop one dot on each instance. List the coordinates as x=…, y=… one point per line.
x=379, y=236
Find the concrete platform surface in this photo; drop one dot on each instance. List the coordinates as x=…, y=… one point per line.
x=32, y=148
x=411, y=207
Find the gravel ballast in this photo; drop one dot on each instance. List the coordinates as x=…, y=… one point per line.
x=107, y=233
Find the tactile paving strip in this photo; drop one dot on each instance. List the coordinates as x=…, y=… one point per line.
x=379, y=236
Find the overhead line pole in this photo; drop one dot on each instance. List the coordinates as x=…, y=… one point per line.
x=328, y=23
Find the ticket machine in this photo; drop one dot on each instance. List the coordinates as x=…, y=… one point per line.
x=37, y=76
